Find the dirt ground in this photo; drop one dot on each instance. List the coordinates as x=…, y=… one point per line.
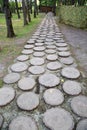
x=77, y=38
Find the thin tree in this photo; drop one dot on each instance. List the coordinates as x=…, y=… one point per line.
x=8, y=16
x=24, y=12
x=31, y=6
x=28, y=10
x=17, y=9
x=35, y=8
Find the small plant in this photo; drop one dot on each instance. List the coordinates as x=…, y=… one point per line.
x=1, y=83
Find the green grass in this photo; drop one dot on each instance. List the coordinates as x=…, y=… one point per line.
x=1, y=83
x=19, y=29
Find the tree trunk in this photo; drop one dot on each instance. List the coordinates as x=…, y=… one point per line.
x=17, y=9
x=54, y=7
x=28, y=9
x=10, y=31
x=31, y=6
x=24, y=12
x=35, y=8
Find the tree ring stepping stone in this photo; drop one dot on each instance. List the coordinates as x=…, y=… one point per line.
x=72, y=87
x=28, y=46
x=26, y=83
x=28, y=101
x=49, y=40
x=61, y=44
x=40, y=41
x=42, y=48
x=37, y=61
x=19, y=67
x=54, y=66
x=39, y=44
x=61, y=41
x=53, y=97
x=50, y=51
x=27, y=52
x=11, y=78
x=22, y=58
x=52, y=57
x=49, y=80
x=1, y=121
x=23, y=123
x=64, y=53
x=36, y=70
x=67, y=60
x=51, y=47
x=82, y=125
x=79, y=105
x=58, y=119
x=30, y=42
x=62, y=48
x=7, y=94
x=38, y=54
x=49, y=43
x=70, y=72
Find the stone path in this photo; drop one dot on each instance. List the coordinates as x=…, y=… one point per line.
x=44, y=90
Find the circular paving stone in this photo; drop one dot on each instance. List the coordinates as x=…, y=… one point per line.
x=28, y=101
x=50, y=51
x=30, y=42
x=36, y=70
x=49, y=40
x=49, y=80
x=7, y=94
x=67, y=60
x=79, y=105
x=61, y=44
x=11, y=78
x=39, y=48
x=49, y=43
x=64, y=54
x=19, y=67
x=38, y=54
x=58, y=119
x=39, y=41
x=28, y=46
x=27, y=52
x=70, y=72
x=39, y=44
x=54, y=65
x=1, y=121
x=53, y=97
x=72, y=87
x=62, y=48
x=37, y=61
x=82, y=125
x=26, y=83
x=51, y=47
x=22, y=58
x=23, y=123
x=52, y=57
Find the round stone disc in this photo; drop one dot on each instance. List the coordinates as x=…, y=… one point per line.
x=52, y=57
x=28, y=46
x=54, y=66
x=38, y=54
x=53, y=97
x=11, y=78
x=72, y=87
x=26, y=83
x=64, y=53
x=49, y=80
x=49, y=43
x=39, y=48
x=19, y=67
x=36, y=70
x=50, y=51
x=58, y=119
x=51, y=47
x=28, y=101
x=82, y=125
x=1, y=121
x=62, y=48
x=67, y=60
x=30, y=42
x=22, y=58
x=7, y=94
x=61, y=44
x=49, y=40
x=79, y=105
x=39, y=44
x=70, y=72
x=37, y=61
x=39, y=41
x=27, y=52
x=23, y=123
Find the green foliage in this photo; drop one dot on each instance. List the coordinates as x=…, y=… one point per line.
x=1, y=83
x=47, y=2
x=12, y=6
